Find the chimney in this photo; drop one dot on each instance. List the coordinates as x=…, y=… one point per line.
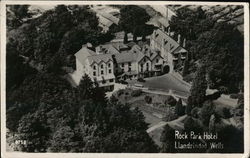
x=184, y=43
x=89, y=45
x=99, y=50
x=169, y=30
x=179, y=38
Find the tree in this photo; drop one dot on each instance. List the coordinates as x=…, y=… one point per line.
x=148, y=99
x=170, y=101
x=125, y=38
x=199, y=86
x=65, y=140
x=168, y=140
x=179, y=109
x=33, y=128
x=192, y=124
x=129, y=23
x=185, y=70
x=16, y=15
x=206, y=111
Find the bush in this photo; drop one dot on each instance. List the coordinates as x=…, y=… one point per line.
x=195, y=112
x=120, y=92
x=234, y=96
x=148, y=99
x=226, y=113
x=171, y=101
x=170, y=116
x=136, y=93
x=223, y=89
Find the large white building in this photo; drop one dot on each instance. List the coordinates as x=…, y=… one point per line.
x=108, y=63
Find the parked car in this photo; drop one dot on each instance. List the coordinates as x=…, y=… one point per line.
x=141, y=80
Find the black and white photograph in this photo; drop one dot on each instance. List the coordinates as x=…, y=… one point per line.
x=124, y=78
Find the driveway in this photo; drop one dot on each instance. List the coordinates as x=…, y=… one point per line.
x=165, y=83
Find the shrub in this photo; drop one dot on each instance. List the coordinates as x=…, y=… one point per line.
x=223, y=89
x=179, y=108
x=120, y=92
x=234, y=96
x=195, y=112
x=148, y=99
x=136, y=93
x=226, y=112
x=170, y=117
x=170, y=101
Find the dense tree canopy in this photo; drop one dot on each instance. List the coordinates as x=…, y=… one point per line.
x=129, y=23
x=218, y=45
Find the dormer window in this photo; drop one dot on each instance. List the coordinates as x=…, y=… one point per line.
x=102, y=66
x=156, y=35
x=109, y=65
x=165, y=41
x=94, y=67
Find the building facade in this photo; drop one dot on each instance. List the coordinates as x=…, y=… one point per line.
x=112, y=62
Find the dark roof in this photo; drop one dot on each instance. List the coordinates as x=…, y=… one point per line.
x=169, y=43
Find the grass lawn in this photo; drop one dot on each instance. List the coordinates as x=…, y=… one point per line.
x=153, y=112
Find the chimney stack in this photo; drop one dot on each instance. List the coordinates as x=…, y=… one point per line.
x=179, y=38
x=169, y=30
x=89, y=45
x=184, y=43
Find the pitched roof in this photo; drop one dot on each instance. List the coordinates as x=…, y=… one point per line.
x=163, y=21
x=83, y=53
x=110, y=17
x=107, y=19
x=133, y=55
x=99, y=57
x=169, y=43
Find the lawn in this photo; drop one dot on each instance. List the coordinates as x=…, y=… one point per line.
x=154, y=112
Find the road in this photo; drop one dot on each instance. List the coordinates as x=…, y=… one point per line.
x=176, y=123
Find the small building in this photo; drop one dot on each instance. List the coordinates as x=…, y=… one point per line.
x=164, y=10
x=107, y=21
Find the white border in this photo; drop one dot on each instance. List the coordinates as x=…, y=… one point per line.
x=5, y=154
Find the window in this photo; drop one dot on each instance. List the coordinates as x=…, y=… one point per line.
x=129, y=63
x=102, y=66
x=157, y=60
x=109, y=65
x=94, y=67
x=94, y=73
x=144, y=59
x=102, y=72
x=129, y=69
x=111, y=80
x=110, y=71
